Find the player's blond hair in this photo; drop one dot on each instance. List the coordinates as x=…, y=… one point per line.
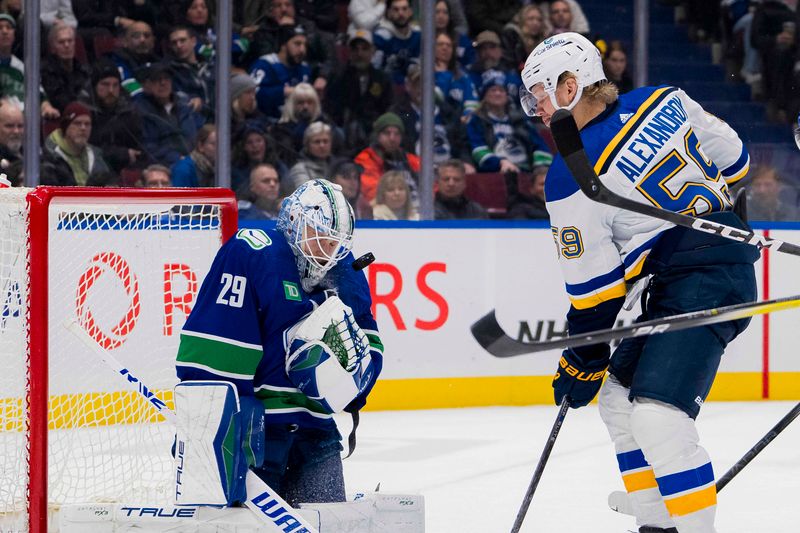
x=602, y=91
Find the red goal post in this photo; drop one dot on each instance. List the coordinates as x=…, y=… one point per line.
x=125, y=265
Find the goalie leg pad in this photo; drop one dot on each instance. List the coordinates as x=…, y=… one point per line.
x=668, y=437
x=643, y=494
x=217, y=438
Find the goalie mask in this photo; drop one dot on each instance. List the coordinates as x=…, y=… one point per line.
x=566, y=52
x=318, y=223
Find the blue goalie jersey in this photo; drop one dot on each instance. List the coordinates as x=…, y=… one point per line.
x=235, y=332
x=655, y=145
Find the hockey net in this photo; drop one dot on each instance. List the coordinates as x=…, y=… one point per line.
x=125, y=265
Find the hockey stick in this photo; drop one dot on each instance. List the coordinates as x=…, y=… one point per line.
x=568, y=140
x=760, y=445
x=264, y=502
x=618, y=500
x=490, y=335
x=537, y=475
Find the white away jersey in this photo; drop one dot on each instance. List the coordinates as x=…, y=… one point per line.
x=655, y=145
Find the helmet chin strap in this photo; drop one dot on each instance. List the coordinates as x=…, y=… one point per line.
x=572, y=104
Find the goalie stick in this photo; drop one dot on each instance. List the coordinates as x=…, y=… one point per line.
x=264, y=502
x=490, y=335
x=568, y=140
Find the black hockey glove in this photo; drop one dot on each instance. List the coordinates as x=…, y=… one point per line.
x=578, y=380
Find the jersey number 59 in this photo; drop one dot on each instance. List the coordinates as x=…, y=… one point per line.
x=232, y=292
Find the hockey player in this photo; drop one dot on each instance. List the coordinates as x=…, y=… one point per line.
x=284, y=317
x=658, y=146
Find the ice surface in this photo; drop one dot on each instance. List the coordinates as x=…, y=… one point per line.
x=473, y=466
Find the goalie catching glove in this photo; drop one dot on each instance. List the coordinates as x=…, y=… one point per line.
x=328, y=356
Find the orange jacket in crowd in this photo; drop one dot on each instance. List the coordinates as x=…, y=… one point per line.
x=373, y=167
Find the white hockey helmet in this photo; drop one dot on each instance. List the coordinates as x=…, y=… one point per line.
x=317, y=221
x=566, y=52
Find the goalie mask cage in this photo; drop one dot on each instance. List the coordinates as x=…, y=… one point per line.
x=125, y=264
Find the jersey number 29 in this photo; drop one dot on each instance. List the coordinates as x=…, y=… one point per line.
x=232, y=292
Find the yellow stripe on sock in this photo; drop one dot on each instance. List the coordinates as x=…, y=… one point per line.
x=640, y=480
x=692, y=502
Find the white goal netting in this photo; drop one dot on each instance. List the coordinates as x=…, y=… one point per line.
x=127, y=271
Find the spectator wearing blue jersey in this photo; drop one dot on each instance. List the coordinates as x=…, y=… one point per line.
x=277, y=74
x=197, y=168
x=449, y=136
x=397, y=40
x=490, y=57
x=137, y=48
x=500, y=138
x=192, y=78
x=444, y=22
x=169, y=125
x=451, y=80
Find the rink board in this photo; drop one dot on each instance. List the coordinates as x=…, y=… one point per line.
x=431, y=282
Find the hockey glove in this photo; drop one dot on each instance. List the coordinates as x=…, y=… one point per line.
x=578, y=380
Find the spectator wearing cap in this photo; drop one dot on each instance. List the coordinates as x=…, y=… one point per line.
x=277, y=74
x=116, y=124
x=68, y=158
x=301, y=109
x=12, y=70
x=244, y=108
x=169, y=126
x=490, y=57
x=450, y=201
x=449, y=137
x=137, y=48
x=64, y=78
x=359, y=94
x=197, y=169
x=192, y=79
x=443, y=21
x=521, y=35
x=397, y=40
x=347, y=175
x=499, y=135
x=386, y=153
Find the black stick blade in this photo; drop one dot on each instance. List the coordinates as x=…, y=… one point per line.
x=493, y=339
x=565, y=133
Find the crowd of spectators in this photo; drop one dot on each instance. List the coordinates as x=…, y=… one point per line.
x=319, y=89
